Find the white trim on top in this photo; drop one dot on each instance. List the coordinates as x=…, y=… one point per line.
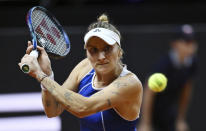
x=102, y=121
x=84, y=86
x=84, y=77
x=98, y=89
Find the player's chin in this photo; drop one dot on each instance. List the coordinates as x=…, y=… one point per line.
x=103, y=68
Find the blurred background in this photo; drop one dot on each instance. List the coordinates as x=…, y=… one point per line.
x=146, y=27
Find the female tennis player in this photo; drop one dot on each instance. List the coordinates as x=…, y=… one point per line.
x=100, y=90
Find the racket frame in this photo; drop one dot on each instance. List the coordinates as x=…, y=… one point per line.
x=35, y=42
x=58, y=25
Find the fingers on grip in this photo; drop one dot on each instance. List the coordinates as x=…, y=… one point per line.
x=29, y=48
x=41, y=49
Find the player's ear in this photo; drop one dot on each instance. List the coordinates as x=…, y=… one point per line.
x=120, y=53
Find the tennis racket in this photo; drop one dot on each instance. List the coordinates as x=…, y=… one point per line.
x=46, y=32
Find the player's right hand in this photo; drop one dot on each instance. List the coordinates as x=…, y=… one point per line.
x=43, y=58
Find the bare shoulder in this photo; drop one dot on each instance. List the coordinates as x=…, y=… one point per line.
x=135, y=80
x=79, y=71
x=82, y=68
x=131, y=81
x=137, y=85
x=129, y=92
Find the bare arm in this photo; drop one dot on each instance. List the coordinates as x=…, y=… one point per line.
x=52, y=107
x=41, y=67
x=121, y=90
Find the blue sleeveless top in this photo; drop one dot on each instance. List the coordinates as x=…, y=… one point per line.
x=107, y=120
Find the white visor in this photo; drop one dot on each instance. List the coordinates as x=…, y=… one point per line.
x=108, y=36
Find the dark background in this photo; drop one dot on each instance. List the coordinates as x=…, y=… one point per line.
x=147, y=27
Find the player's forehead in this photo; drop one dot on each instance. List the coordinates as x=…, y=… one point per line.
x=96, y=42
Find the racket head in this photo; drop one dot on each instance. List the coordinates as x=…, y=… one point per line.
x=47, y=32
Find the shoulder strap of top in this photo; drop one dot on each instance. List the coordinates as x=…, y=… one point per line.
x=125, y=71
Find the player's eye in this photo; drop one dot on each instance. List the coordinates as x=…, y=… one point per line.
x=107, y=49
x=93, y=50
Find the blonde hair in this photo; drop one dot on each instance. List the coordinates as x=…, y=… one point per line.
x=104, y=18
x=103, y=22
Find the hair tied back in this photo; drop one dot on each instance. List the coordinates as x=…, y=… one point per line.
x=103, y=18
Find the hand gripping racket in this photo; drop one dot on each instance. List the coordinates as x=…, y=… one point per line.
x=46, y=32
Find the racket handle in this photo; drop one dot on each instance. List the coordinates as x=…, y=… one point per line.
x=25, y=67
x=34, y=53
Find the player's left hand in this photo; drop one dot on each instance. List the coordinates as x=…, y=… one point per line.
x=43, y=58
x=181, y=125
x=33, y=65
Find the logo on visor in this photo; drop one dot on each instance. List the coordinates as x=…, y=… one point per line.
x=97, y=30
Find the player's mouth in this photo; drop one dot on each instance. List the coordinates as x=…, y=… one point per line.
x=102, y=63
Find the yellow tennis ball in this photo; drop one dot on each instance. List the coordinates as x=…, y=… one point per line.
x=157, y=82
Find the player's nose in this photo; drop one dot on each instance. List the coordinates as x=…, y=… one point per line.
x=101, y=55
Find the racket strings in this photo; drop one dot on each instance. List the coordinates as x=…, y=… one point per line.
x=48, y=34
